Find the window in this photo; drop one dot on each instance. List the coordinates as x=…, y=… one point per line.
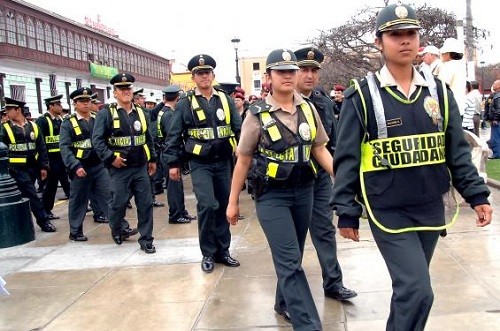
x=101, y=53
x=18, y=92
x=71, y=46
x=40, y=41
x=11, y=29
x=64, y=42
x=256, y=66
x=256, y=83
x=78, y=48
x=57, y=41
x=2, y=28
x=48, y=39
x=96, y=50
x=31, y=34
x=84, y=48
x=105, y=60
x=21, y=31
x=89, y=47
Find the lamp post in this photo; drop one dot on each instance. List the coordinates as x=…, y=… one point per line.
x=482, y=78
x=235, y=42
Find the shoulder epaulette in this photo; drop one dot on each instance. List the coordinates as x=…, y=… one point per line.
x=259, y=107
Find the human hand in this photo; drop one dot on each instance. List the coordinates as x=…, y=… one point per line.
x=119, y=162
x=43, y=174
x=80, y=172
x=174, y=174
x=349, y=233
x=232, y=213
x=484, y=215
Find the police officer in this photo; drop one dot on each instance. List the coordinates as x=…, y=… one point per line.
x=208, y=119
x=87, y=173
x=50, y=124
x=399, y=139
x=123, y=142
x=27, y=156
x=283, y=131
x=175, y=189
x=321, y=226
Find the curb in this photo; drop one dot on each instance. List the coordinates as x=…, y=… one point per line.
x=493, y=183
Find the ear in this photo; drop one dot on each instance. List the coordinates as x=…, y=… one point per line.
x=378, y=43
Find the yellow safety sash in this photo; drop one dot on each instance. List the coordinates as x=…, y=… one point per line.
x=51, y=138
x=158, y=124
x=362, y=171
x=137, y=141
x=15, y=147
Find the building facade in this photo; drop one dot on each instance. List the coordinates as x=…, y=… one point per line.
x=44, y=54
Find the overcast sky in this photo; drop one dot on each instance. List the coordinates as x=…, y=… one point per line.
x=182, y=29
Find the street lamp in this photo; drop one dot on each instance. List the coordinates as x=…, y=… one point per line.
x=235, y=42
x=482, y=77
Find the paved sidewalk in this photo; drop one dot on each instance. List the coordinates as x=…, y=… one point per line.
x=56, y=284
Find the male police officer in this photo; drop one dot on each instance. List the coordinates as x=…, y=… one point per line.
x=50, y=124
x=175, y=189
x=321, y=226
x=27, y=155
x=88, y=175
x=125, y=145
x=208, y=119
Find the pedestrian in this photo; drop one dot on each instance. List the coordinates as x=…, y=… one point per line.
x=400, y=143
x=177, y=213
x=123, y=142
x=321, y=227
x=27, y=156
x=87, y=172
x=50, y=125
x=282, y=132
x=208, y=121
x=492, y=114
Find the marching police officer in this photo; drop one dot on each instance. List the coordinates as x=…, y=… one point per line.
x=321, y=227
x=50, y=125
x=123, y=142
x=27, y=156
x=400, y=139
x=282, y=132
x=175, y=189
x=208, y=120
x=87, y=173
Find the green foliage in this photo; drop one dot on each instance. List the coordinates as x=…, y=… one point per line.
x=493, y=169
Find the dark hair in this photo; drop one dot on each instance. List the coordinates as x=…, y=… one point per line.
x=456, y=56
x=474, y=85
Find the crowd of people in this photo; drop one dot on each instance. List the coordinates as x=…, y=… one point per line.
x=304, y=153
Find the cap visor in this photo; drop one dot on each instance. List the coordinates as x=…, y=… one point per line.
x=402, y=27
x=285, y=67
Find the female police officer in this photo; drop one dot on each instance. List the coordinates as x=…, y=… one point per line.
x=283, y=130
x=399, y=135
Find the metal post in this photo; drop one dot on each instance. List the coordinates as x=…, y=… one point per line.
x=482, y=78
x=235, y=42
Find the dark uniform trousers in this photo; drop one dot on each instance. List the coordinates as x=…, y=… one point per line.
x=126, y=181
x=407, y=256
x=322, y=232
x=96, y=183
x=96, y=207
x=159, y=176
x=211, y=185
x=175, y=197
x=25, y=179
x=284, y=216
x=56, y=174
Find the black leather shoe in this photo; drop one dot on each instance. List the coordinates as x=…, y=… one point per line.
x=77, y=237
x=51, y=216
x=228, y=261
x=148, y=248
x=180, y=220
x=100, y=219
x=129, y=205
x=117, y=238
x=158, y=204
x=342, y=294
x=284, y=313
x=47, y=226
x=128, y=232
x=207, y=264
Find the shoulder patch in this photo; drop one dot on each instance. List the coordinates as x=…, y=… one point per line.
x=259, y=107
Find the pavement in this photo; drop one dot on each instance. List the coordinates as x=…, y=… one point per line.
x=56, y=284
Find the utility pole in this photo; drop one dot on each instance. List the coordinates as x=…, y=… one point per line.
x=469, y=42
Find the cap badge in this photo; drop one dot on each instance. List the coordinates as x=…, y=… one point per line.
x=310, y=55
x=201, y=61
x=85, y=92
x=124, y=79
x=286, y=56
x=401, y=12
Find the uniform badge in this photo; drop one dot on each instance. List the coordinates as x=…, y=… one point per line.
x=220, y=114
x=137, y=126
x=286, y=55
x=305, y=131
x=401, y=12
x=32, y=135
x=431, y=106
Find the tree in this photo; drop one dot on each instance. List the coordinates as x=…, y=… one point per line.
x=350, y=52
